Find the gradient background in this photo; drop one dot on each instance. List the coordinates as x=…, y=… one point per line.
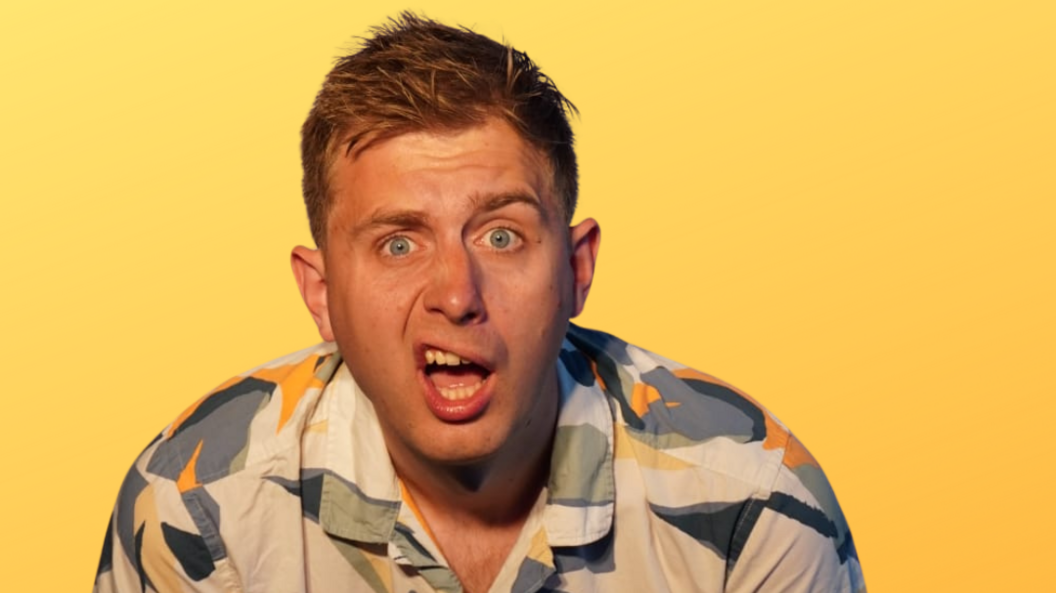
x=844, y=208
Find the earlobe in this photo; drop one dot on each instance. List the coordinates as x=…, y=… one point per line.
x=309, y=270
x=586, y=239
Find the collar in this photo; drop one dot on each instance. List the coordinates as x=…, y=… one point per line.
x=361, y=498
x=581, y=490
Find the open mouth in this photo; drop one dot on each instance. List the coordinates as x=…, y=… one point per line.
x=456, y=378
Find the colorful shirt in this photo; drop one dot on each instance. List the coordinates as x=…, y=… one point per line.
x=662, y=479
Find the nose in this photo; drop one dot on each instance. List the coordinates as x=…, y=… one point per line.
x=454, y=289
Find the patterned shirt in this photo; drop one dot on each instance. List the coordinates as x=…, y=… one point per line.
x=662, y=479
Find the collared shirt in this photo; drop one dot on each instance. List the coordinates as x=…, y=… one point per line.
x=661, y=479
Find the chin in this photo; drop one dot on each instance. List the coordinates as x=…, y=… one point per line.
x=475, y=442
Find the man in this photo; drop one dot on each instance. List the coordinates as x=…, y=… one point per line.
x=455, y=432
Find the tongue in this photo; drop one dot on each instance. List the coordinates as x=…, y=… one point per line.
x=460, y=376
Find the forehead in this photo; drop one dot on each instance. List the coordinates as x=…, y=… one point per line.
x=438, y=170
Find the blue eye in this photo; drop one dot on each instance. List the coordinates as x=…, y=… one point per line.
x=399, y=246
x=500, y=238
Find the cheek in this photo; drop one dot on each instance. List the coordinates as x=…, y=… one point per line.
x=534, y=296
x=366, y=312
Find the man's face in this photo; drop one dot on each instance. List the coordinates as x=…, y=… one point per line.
x=451, y=246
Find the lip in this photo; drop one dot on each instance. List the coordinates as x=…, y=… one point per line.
x=454, y=411
x=457, y=411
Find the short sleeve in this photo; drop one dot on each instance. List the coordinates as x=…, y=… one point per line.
x=795, y=539
x=158, y=540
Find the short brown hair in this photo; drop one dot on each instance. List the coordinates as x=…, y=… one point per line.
x=414, y=74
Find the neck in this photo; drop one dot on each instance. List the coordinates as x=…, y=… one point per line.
x=496, y=491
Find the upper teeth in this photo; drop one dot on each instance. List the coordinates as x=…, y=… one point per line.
x=441, y=357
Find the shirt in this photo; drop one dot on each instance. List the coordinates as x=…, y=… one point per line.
x=662, y=478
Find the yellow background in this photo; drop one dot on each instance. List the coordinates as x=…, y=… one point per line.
x=845, y=208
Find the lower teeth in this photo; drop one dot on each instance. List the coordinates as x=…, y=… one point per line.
x=457, y=393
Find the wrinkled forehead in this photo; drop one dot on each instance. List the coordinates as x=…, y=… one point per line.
x=493, y=155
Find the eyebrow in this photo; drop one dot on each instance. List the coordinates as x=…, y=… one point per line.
x=414, y=219
x=493, y=202
x=397, y=218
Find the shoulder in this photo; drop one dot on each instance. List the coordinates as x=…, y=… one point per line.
x=668, y=407
x=166, y=523
x=715, y=464
x=245, y=418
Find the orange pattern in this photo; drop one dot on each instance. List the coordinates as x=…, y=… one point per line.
x=597, y=375
x=294, y=380
x=796, y=455
x=776, y=435
x=188, y=478
x=641, y=396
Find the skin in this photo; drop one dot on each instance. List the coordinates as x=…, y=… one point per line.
x=415, y=257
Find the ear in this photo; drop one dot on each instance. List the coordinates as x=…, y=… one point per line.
x=586, y=239
x=309, y=269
